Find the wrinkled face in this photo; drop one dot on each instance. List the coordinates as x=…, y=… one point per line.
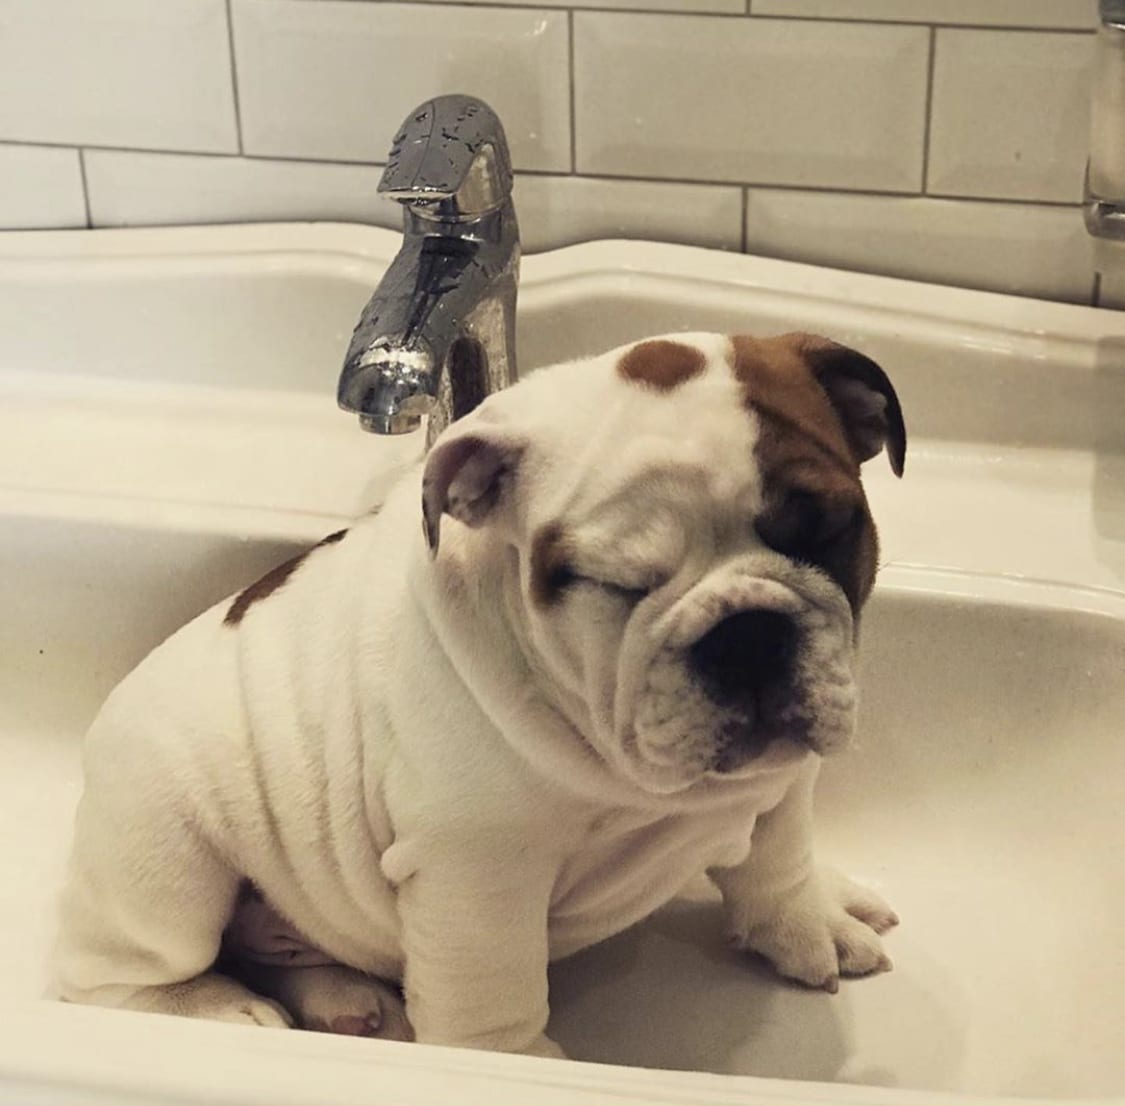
x=694, y=545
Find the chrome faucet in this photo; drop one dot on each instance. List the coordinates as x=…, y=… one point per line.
x=438, y=335
x=1104, y=206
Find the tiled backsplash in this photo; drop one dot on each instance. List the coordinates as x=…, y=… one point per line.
x=943, y=140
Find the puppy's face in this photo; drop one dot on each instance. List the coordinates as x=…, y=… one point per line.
x=689, y=538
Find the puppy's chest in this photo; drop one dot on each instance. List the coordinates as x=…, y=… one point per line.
x=629, y=864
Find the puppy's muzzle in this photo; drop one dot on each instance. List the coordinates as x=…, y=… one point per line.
x=747, y=665
x=746, y=655
x=760, y=649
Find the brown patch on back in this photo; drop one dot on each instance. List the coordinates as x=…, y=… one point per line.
x=550, y=557
x=803, y=449
x=661, y=365
x=272, y=580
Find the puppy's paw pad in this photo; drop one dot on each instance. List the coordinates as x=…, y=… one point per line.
x=334, y=999
x=352, y=1025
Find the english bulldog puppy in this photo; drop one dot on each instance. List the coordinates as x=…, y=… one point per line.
x=596, y=643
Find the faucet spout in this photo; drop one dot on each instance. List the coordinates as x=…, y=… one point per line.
x=439, y=332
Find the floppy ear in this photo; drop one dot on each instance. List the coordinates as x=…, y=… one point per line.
x=864, y=399
x=468, y=475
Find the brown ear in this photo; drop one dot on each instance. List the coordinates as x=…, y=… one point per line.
x=466, y=476
x=864, y=399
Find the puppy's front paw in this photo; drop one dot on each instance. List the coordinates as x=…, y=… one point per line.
x=826, y=928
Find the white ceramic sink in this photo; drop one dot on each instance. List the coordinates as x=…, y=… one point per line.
x=168, y=433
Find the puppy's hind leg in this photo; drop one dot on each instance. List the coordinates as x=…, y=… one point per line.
x=142, y=916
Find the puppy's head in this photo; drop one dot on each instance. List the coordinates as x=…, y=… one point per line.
x=688, y=541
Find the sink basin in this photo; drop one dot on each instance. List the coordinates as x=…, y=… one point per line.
x=167, y=434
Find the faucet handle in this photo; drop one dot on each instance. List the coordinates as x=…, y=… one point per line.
x=451, y=148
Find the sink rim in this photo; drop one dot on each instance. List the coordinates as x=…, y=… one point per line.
x=282, y=1068
x=24, y=250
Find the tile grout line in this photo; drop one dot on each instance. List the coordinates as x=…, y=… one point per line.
x=85, y=186
x=745, y=219
x=927, y=121
x=625, y=178
x=234, y=77
x=984, y=28
x=533, y=6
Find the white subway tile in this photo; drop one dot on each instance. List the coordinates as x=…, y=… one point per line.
x=117, y=73
x=754, y=100
x=728, y=7
x=40, y=187
x=1077, y=14
x=1011, y=114
x=1021, y=248
x=139, y=189
x=335, y=79
x=558, y=211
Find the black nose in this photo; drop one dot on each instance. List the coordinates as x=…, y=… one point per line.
x=744, y=654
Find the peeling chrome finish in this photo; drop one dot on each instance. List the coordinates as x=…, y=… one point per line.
x=438, y=335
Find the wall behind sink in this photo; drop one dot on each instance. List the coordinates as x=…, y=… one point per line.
x=943, y=140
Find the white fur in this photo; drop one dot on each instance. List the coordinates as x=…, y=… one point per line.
x=438, y=781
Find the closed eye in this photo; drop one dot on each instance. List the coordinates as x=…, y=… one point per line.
x=561, y=577
x=805, y=525
x=565, y=576
x=629, y=594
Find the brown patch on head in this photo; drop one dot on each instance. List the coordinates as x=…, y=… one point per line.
x=272, y=580
x=550, y=564
x=661, y=365
x=815, y=510
x=779, y=386
x=862, y=395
